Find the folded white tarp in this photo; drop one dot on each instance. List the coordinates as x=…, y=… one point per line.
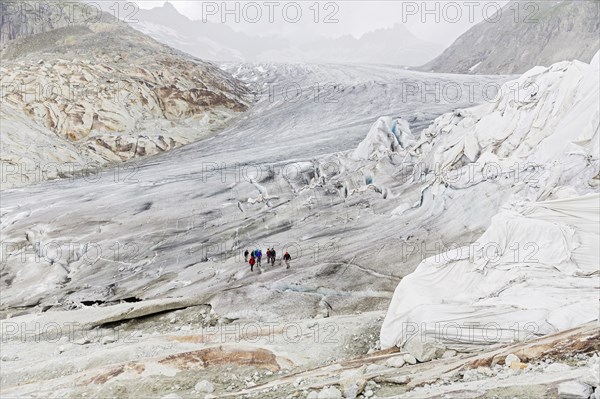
x=534, y=271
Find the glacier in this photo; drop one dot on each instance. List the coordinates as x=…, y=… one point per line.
x=368, y=190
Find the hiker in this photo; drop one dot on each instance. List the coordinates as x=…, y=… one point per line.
x=287, y=258
x=273, y=254
x=246, y=253
x=258, y=256
x=268, y=255
x=252, y=261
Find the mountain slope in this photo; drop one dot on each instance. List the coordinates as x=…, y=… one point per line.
x=542, y=33
x=107, y=91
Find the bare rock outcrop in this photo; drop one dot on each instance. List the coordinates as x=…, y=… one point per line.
x=107, y=93
x=522, y=35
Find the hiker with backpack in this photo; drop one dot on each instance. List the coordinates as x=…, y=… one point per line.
x=287, y=258
x=273, y=255
x=252, y=261
x=246, y=253
x=258, y=257
x=268, y=255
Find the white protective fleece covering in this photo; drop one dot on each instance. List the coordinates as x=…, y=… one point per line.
x=534, y=271
x=547, y=275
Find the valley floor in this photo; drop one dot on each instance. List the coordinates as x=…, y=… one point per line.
x=151, y=348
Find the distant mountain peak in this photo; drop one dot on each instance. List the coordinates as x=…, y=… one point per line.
x=168, y=7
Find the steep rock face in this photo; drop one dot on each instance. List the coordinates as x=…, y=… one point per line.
x=526, y=34
x=26, y=18
x=109, y=92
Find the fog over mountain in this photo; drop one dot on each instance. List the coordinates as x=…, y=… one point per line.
x=219, y=42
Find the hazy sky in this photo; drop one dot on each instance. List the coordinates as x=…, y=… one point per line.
x=435, y=21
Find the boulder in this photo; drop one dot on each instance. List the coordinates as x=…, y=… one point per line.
x=471, y=375
x=518, y=366
x=592, y=375
x=400, y=380
x=204, y=386
x=574, y=390
x=424, y=349
x=330, y=393
x=396, y=362
x=410, y=359
x=352, y=382
x=351, y=391
x=107, y=340
x=510, y=359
